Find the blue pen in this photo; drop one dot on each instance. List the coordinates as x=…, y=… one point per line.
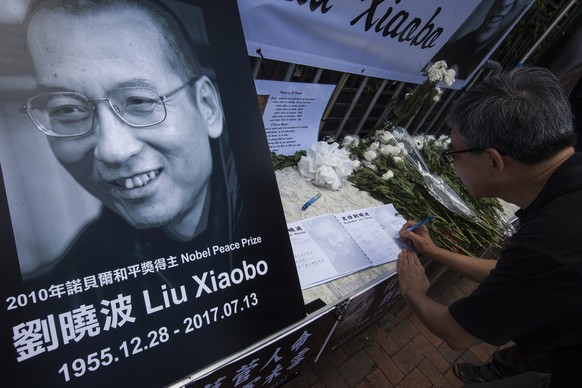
x=419, y=223
x=310, y=202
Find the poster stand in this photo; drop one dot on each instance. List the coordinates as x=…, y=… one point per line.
x=320, y=332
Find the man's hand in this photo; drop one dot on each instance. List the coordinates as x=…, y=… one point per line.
x=435, y=316
x=420, y=239
x=411, y=276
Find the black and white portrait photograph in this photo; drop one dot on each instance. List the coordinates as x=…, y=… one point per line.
x=126, y=135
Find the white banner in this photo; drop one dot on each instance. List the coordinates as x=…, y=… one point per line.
x=380, y=38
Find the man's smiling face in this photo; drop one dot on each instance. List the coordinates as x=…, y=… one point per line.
x=152, y=176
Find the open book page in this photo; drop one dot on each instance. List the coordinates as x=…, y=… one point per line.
x=329, y=245
x=379, y=243
x=391, y=221
x=312, y=264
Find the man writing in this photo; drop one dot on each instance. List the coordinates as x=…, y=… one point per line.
x=127, y=111
x=512, y=138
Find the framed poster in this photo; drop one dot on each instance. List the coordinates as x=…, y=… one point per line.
x=137, y=247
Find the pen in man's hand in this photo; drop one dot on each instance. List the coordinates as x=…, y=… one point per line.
x=310, y=202
x=420, y=223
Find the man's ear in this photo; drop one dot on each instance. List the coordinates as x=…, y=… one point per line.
x=496, y=161
x=209, y=106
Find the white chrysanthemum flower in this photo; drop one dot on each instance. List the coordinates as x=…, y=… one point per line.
x=350, y=141
x=437, y=71
x=441, y=65
x=374, y=146
x=438, y=94
x=446, y=143
x=449, y=77
x=399, y=135
x=418, y=142
x=434, y=75
x=370, y=155
x=386, y=137
x=388, y=175
x=443, y=141
x=388, y=150
x=397, y=159
x=370, y=165
x=356, y=164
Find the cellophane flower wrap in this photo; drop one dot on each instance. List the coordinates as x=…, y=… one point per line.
x=326, y=165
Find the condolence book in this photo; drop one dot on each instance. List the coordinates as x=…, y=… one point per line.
x=334, y=245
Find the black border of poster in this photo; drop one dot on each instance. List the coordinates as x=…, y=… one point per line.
x=275, y=362
x=364, y=308
x=154, y=349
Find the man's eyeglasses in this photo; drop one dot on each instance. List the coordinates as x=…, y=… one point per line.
x=449, y=156
x=69, y=114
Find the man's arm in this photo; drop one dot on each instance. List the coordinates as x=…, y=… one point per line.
x=470, y=267
x=435, y=316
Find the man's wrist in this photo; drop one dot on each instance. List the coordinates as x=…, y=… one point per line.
x=414, y=294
